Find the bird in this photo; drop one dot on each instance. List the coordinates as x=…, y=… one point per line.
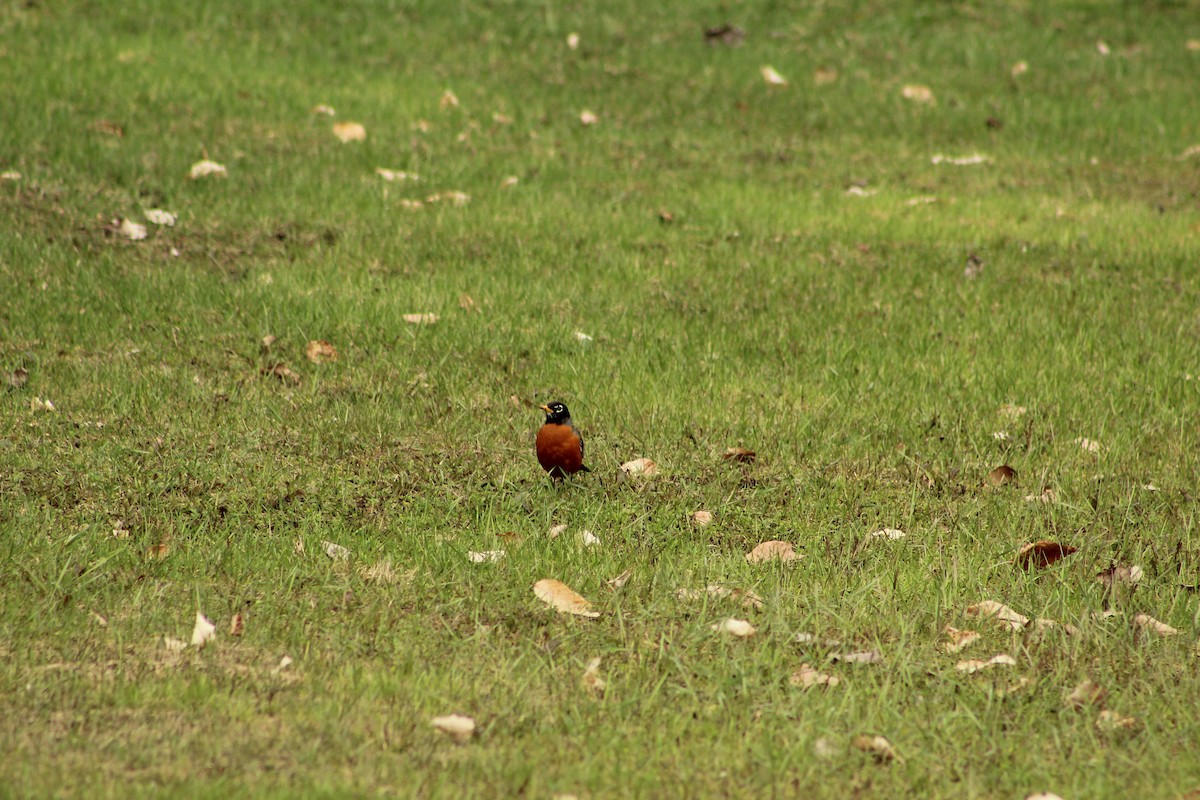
x=559, y=446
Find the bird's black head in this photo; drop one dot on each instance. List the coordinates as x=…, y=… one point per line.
x=556, y=413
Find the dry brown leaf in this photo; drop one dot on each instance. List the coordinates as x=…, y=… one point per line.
x=563, y=598
x=485, y=556
x=806, y=677
x=1000, y=612
x=458, y=727
x=588, y=117
x=1149, y=623
x=420, y=319
x=203, y=630
x=1001, y=475
x=207, y=169
x=1118, y=575
x=772, y=77
x=889, y=533
x=973, y=160
x=877, y=746
x=132, y=230
x=620, y=581
x=467, y=303
x=18, y=377
x=959, y=639
x=1043, y=554
x=320, y=350
x=639, y=466
x=702, y=518
x=284, y=663
x=282, y=372
x=735, y=627
x=591, y=677
x=267, y=341
x=773, y=550
x=1111, y=721
x=1087, y=693
x=557, y=530
x=728, y=35
x=347, y=132
x=1041, y=624
x=746, y=597
x=918, y=94
x=237, y=625
x=740, y=454
x=974, y=665
x=159, y=551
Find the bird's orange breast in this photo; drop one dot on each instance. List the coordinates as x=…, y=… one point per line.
x=559, y=447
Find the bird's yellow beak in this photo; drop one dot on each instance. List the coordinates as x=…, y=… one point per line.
x=546, y=409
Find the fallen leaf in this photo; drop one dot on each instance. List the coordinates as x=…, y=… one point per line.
x=38, y=404
x=563, y=598
x=323, y=110
x=962, y=161
x=639, y=466
x=132, y=230
x=336, y=551
x=806, y=677
x=1043, y=553
x=702, y=518
x=455, y=198
x=1114, y=575
x=1112, y=721
x=237, y=625
x=1000, y=612
x=918, y=94
x=589, y=539
x=772, y=77
x=583, y=337
x=959, y=639
x=485, y=556
x=557, y=530
x=207, y=169
x=282, y=372
x=572, y=41
x=744, y=596
x=320, y=350
x=858, y=657
x=159, y=551
x=739, y=454
x=1047, y=495
x=420, y=319
x=397, y=176
x=1043, y=796
x=735, y=627
x=458, y=727
x=1087, y=693
x=889, y=533
x=348, y=132
x=975, y=665
x=284, y=663
x=99, y=619
x=877, y=746
x=1002, y=474
x=620, y=581
x=467, y=303
x=203, y=630
x=509, y=182
x=824, y=76
x=1147, y=622
x=18, y=377
x=1193, y=45
x=10, y=175
x=1019, y=69
x=449, y=100
x=160, y=217
x=1102, y=47
x=773, y=550
x=588, y=117
x=1000, y=436
x=591, y=677
x=267, y=341
x=174, y=645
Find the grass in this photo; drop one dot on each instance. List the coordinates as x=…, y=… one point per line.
x=701, y=233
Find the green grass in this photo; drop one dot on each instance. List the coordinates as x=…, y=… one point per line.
x=835, y=335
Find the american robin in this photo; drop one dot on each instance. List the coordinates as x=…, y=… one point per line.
x=559, y=445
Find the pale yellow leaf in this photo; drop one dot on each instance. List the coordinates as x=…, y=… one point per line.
x=959, y=639
x=449, y=100
x=806, y=677
x=573, y=41
x=735, y=627
x=975, y=665
x=203, y=630
x=563, y=598
x=347, y=132
x=420, y=319
x=918, y=94
x=458, y=727
x=335, y=551
x=397, y=176
x=639, y=466
x=889, y=533
x=509, y=182
x=323, y=110
x=557, y=530
x=1019, y=69
x=589, y=539
x=10, y=175
x=485, y=556
x=207, y=169
x=1147, y=622
x=174, y=645
x=1111, y=721
x=131, y=230
x=1004, y=615
x=319, y=351
x=702, y=518
x=773, y=550
x=160, y=217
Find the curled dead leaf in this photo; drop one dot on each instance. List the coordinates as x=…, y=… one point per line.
x=959, y=639
x=1002, y=474
x=1004, y=615
x=972, y=160
x=620, y=581
x=1087, y=693
x=133, y=231
x=858, y=657
x=1088, y=445
x=1019, y=69
x=40, y=404
x=1043, y=554
x=207, y=169
x=563, y=598
x=572, y=41
x=203, y=630
x=319, y=351
x=1111, y=721
x=889, y=533
x=824, y=76
x=974, y=665
x=1149, y=623
x=740, y=455
x=1047, y=495
x=774, y=550
x=322, y=109
x=282, y=372
x=174, y=645
x=877, y=746
x=588, y=538
x=347, y=132
x=18, y=377
x=458, y=727
x=557, y=530
x=702, y=518
x=640, y=466
x=160, y=217
x=449, y=100
x=454, y=198
x=237, y=625
x=806, y=677
x=735, y=627
x=1115, y=575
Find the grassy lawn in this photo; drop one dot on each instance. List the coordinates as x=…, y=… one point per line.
x=713, y=262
